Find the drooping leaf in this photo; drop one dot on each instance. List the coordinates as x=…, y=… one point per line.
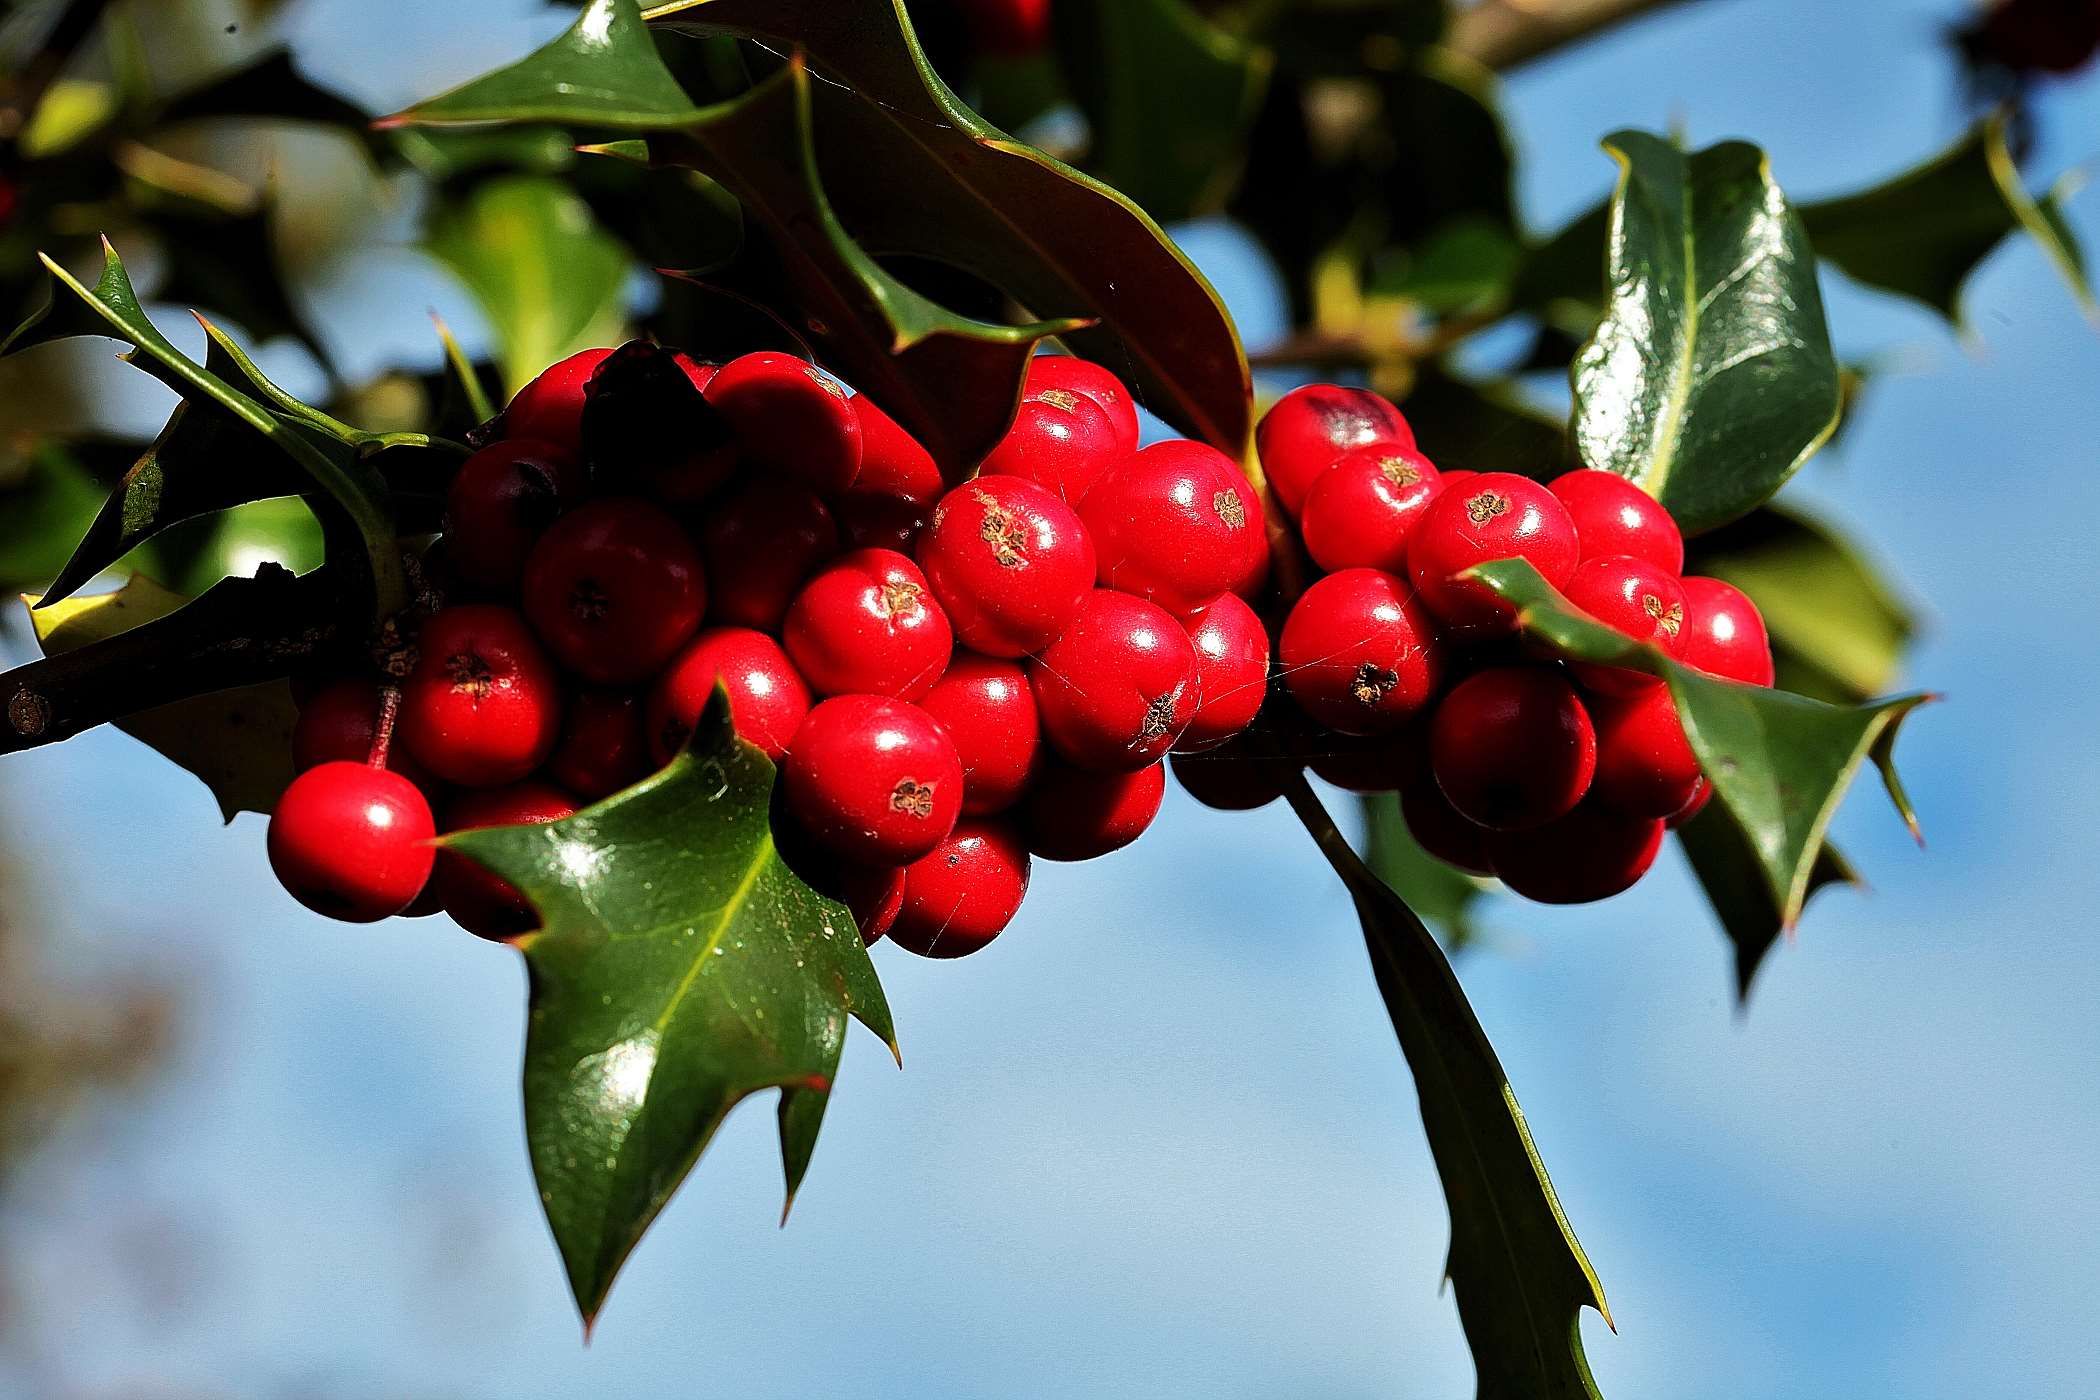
x=1779, y=763
x=542, y=271
x=1442, y=896
x=238, y=741
x=1728, y=871
x=1835, y=622
x=1521, y=1278
x=43, y=509
x=1168, y=97
x=923, y=174
x=1710, y=379
x=681, y=966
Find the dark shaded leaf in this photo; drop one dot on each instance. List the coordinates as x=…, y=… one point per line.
x=1728, y=871
x=271, y=88
x=43, y=510
x=1465, y=264
x=1442, y=896
x=1483, y=427
x=228, y=263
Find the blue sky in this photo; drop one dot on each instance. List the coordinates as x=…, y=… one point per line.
x=1157, y=1141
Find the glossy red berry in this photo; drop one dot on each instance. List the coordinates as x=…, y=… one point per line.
x=873, y=780
x=1114, y=691
x=874, y=896
x=871, y=893
x=791, y=418
x=892, y=461
x=1007, y=28
x=602, y=749
x=550, y=408
x=1496, y=515
x=339, y=723
x=1361, y=512
x=479, y=901
x=867, y=624
x=1635, y=597
x=352, y=841
x=1177, y=523
x=1060, y=440
x=498, y=505
x=1512, y=747
x=986, y=705
x=1645, y=765
x=1010, y=563
x=1359, y=653
x=1590, y=854
x=1439, y=829
x=1071, y=814
x=767, y=695
x=760, y=545
x=614, y=589
x=1234, y=777
x=1614, y=516
x=1074, y=375
x=1700, y=797
x=483, y=706
x=1311, y=427
x=699, y=371
x=964, y=893
x=1724, y=633
x=1232, y=673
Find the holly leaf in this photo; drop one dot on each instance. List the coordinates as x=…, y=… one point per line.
x=271, y=88
x=915, y=171
x=42, y=510
x=1710, y=378
x=1727, y=870
x=680, y=967
x=1779, y=763
x=237, y=741
x=1442, y=896
x=1520, y=1276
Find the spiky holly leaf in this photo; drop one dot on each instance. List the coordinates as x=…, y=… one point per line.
x=1710, y=378
x=1779, y=763
x=1727, y=870
x=680, y=967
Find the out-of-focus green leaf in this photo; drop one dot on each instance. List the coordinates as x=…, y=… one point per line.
x=1567, y=269
x=1469, y=426
x=1450, y=160
x=43, y=509
x=680, y=967
x=1442, y=896
x=1168, y=98
x=1710, y=379
x=443, y=153
x=227, y=263
x=1727, y=869
x=271, y=89
x=1465, y=264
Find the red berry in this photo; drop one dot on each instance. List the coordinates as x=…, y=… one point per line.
x=880, y=522
x=614, y=589
x=1632, y=596
x=1010, y=563
x=964, y=893
x=790, y=417
x=1071, y=814
x=1645, y=765
x=699, y=371
x=352, y=841
x=1693, y=808
x=1060, y=440
x=1114, y=690
x=496, y=508
x=868, y=624
x=1590, y=854
x=1311, y=427
x=1085, y=378
x=988, y=709
x=1724, y=634
x=602, y=749
x=1177, y=523
x=1008, y=28
x=479, y=901
x=483, y=705
x=1614, y=516
x=1234, y=777
x=1513, y=747
x=1496, y=515
x=550, y=408
x=1232, y=673
x=873, y=780
x=339, y=723
x=760, y=545
x=1359, y=653
x=871, y=893
x=1439, y=829
x=892, y=462
x=767, y=695
x=1361, y=512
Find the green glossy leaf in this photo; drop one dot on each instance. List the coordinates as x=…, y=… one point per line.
x=681, y=966
x=1728, y=871
x=1779, y=763
x=1710, y=379
x=604, y=71
x=1168, y=97
x=1520, y=1276
x=43, y=508
x=924, y=175
x=542, y=271
x=1832, y=617
x=1923, y=233
x=1442, y=896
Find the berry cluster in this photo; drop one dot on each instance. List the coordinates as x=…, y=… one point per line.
x=1557, y=779
x=951, y=681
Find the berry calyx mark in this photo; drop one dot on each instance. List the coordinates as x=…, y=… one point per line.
x=899, y=596
x=1486, y=506
x=1007, y=536
x=1399, y=471
x=470, y=675
x=1159, y=719
x=1670, y=620
x=1372, y=682
x=1063, y=398
x=588, y=602
x=1229, y=508
x=912, y=797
